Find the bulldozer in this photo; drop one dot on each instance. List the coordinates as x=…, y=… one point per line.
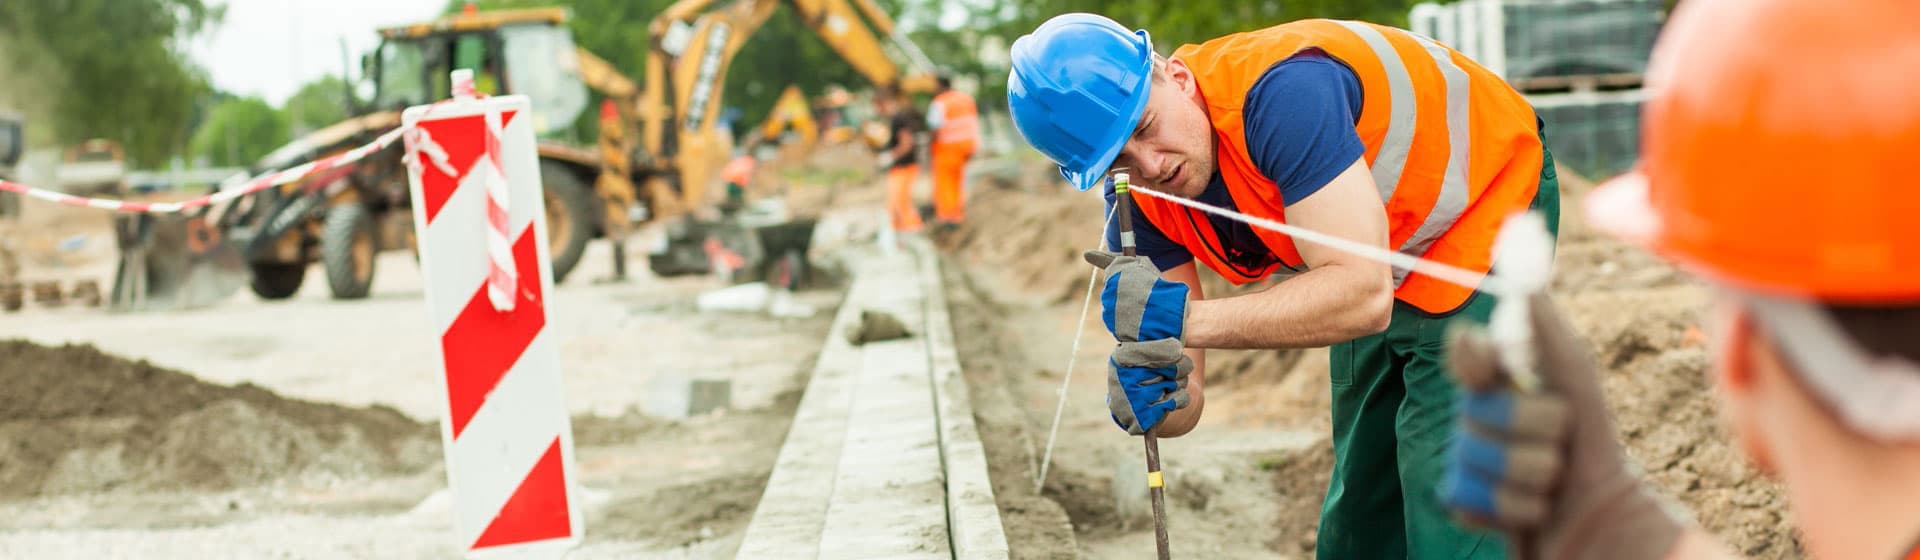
x=658, y=147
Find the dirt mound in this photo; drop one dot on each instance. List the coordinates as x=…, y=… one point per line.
x=702, y=510
x=1033, y=235
x=1656, y=364
x=876, y=326
x=77, y=420
x=1301, y=478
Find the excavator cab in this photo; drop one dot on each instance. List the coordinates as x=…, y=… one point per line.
x=532, y=58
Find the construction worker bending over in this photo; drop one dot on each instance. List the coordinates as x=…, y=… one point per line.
x=899, y=157
x=1786, y=181
x=955, y=121
x=1365, y=132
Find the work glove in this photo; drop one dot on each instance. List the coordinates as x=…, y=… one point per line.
x=1147, y=373
x=1545, y=467
x=884, y=160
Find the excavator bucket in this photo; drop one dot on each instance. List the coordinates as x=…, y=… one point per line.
x=173, y=262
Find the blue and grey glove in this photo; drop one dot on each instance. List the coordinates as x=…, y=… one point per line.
x=1546, y=467
x=1147, y=315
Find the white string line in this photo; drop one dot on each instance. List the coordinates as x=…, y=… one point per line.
x=1060, y=407
x=1464, y=278
x=1488, y=283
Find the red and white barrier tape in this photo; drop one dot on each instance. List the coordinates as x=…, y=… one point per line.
x=502, y=275
x=257, y=184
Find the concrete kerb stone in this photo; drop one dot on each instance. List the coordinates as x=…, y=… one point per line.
x=793, y=508
x=883, y=459
x=973, y=517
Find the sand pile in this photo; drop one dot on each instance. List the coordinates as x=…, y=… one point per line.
x=75, y=420
x=1033, y=235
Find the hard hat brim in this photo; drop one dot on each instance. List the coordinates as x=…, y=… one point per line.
x=1622, y=207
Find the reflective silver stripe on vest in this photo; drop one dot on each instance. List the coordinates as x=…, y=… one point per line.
x=1452, y=201
x=1402, y=112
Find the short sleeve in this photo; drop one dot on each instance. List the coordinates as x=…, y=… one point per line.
x=1299, y=120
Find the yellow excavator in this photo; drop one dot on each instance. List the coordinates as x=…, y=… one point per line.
x=657, y=149
x=795, y=127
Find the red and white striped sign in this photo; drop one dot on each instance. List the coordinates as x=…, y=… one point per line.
x=509, y=446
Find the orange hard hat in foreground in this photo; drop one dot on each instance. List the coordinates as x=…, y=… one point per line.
x=1781, y=149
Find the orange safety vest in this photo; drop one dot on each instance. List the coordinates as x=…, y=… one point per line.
x=1451, y=147
x=959, y=119
x=739, y=171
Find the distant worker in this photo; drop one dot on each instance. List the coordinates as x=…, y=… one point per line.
x=899, y=157
x=737, y=174
x=831, y=108
x=1786, y=181
x=956, y=131
x=1361, y=131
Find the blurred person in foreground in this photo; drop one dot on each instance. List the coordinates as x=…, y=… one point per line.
x=1781, y=172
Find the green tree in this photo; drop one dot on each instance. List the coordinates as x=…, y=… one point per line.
x=105, y=68
x=319, y=103
x=239, y=131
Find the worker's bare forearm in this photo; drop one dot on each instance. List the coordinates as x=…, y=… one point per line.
x=1323, y=306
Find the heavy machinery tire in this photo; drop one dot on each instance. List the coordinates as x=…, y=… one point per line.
x=570, y=216
x=276, y=280
x=348, y=245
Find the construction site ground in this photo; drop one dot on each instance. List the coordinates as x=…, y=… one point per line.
x=131, y=444
x=342, y=459
x=1249, y=481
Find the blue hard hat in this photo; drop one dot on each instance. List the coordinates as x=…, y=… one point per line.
x=1078, y=86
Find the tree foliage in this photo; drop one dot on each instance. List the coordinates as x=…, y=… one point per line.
x=105, y=68
x=239, y=131
x=319, y=103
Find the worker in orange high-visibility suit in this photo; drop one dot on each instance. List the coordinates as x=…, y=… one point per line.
x=956, y=131
x=899, y=158
x=1786, y=181
x=737, y=174
x=1361, y=131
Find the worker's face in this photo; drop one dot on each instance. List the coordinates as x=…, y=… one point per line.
x=1172, y=147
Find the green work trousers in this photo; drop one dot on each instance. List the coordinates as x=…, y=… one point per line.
x=1392, y=422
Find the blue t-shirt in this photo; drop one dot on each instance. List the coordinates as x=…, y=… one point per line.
x=1299, y=120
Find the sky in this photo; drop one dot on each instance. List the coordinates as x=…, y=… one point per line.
x=269, y=48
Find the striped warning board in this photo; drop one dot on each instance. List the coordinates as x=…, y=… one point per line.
x=509, y=447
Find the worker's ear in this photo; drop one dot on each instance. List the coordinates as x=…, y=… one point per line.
x=1732, y=346
x=1735, y=347
x=1181, y=76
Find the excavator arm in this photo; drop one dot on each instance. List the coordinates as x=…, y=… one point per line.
x=687, y=67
